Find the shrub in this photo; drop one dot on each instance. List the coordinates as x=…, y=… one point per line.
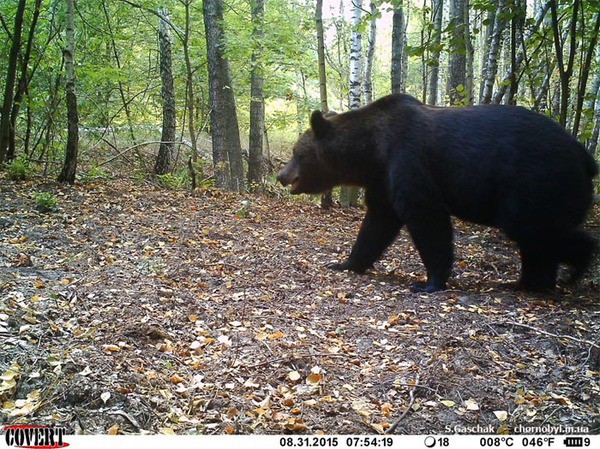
x=45, y=202
x=19, y=169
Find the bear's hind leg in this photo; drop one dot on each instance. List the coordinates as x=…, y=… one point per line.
x=576, y=249
x=539, y=266
x=431, y=232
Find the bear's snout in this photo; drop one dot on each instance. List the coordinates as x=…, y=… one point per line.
x=281, y=177
x=288, y=175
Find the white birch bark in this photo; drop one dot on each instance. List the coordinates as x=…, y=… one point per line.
x=494, y=50
x=356, y=56
x=370, y=56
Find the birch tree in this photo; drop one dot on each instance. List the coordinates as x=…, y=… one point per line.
x=368, y=82
x=587, y=55
x=495, y=43
x=541, y=12
x=356, y=57
x=349, y=195
x=593, y=104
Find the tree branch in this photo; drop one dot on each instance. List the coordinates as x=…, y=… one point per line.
x=549, y=334
x=175, y=28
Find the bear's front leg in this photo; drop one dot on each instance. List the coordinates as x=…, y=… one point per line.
x=377, y=231
x=431, y=232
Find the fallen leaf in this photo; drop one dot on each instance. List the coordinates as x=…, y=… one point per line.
x=314, y=379
x=502, y=415
x=471, y=404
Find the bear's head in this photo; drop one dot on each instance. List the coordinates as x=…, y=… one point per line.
x=308, y=171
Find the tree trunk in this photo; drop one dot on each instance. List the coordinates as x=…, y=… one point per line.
x=434, y=75
x=398, y=75
x=592, y=143
x=191, y=95
x=257, y=103
x=491, y=64
x=164, y=160
x=70, y=166
x=227, y=149
x=368, y=82
x=484, y=48
x=539, y=17
x=11, y=76
x=593, y=104
x=327, y=197
x=457, y=63
x=565, y=71
x=470, y=57
x=356, y=57
x=519, y=12
x=584, y=74
x=23, y=83
x=349, y=195
x=321, y=56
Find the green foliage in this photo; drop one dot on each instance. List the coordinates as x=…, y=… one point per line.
x=173, y=181
x=45, y=202
x=19, y=169
x=202, y=168
x=119, y=91
x=95, y=174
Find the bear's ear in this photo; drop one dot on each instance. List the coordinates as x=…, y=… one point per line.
x=319, y=124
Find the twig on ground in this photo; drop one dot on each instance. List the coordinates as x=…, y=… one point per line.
x=410, y=404
x=550, y=334
x=128, y=417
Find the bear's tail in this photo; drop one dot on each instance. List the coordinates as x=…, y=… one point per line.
x=577, y=249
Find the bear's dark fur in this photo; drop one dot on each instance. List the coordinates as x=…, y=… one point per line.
x=499, y=166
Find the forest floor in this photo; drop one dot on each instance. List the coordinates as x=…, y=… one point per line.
x=132, y=309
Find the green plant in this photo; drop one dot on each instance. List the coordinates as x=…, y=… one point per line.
x=173, y=181
x=139, y=176
x=95, y=174
x=45, y=202
x=203, y=179
x=19, y=169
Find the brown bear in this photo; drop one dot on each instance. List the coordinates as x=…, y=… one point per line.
x=500, y=166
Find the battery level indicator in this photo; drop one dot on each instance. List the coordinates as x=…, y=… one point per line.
x=574, y=442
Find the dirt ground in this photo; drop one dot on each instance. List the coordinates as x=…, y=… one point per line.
x=132, y=309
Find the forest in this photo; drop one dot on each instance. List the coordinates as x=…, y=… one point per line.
x=155, y=278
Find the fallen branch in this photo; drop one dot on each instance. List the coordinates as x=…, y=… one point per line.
x=128, y=417
x=126, y=150
x=549, y=334
x=410, y=405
